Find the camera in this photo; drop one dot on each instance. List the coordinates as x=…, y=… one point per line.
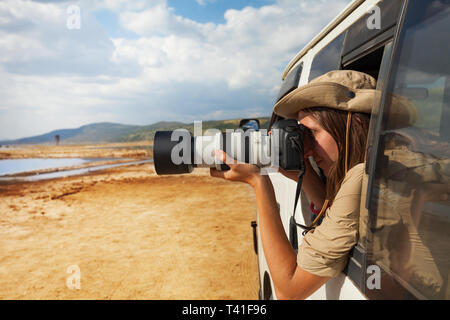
x=178, y=151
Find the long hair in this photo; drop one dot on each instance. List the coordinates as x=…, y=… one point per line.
x=335, y=123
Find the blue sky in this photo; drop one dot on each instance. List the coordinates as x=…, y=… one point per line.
x=212, y=10
x=139, y=62
x=201, y=11
x=109, y=20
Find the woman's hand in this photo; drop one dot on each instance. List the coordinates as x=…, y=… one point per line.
x=242, y=172
x=289, y=174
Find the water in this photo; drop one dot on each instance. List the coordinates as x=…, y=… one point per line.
x=59, y=174
x=12, y=166
x=119, y=147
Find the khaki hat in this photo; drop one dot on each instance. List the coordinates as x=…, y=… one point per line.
x=346, y=90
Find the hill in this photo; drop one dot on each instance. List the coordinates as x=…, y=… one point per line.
x=97, y=132
x=115, y=132
x=148, y=132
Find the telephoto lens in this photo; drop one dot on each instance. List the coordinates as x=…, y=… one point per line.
x=163, y=147
x=178, y=151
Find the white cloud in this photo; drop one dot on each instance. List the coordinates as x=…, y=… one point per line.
x=246, y=51
x=204, y=2
x=120, y=5
x=178, y=69
x=34, y=39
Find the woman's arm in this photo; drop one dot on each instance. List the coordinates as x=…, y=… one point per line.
x=291, y=282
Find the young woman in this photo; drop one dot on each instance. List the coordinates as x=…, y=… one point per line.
x=335, y=108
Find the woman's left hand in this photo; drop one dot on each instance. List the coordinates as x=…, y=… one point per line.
x=242, y=172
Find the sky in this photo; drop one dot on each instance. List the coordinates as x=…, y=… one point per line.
x=64, y=64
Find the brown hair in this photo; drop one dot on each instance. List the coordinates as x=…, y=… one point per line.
x=335, y=123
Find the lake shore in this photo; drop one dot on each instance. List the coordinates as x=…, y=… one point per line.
x=134, y=150
x=131, y=234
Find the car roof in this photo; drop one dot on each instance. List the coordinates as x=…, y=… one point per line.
x=328, y=28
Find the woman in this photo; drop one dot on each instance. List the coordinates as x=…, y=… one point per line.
x=335, y=108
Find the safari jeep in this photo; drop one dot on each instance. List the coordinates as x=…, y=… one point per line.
x=404, y=243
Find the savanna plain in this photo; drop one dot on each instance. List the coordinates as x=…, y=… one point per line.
x=125, y=232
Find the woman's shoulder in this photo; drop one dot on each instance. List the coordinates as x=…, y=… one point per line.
x=354, y=174
x=352, y=181
x=324, y=251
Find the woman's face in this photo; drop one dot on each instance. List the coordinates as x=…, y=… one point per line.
x=320, y=144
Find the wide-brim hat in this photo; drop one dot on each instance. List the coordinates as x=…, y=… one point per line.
x=345, y=90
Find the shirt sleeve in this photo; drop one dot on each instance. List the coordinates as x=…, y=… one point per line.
x=324, y=250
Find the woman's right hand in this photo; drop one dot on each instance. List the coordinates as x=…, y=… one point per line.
x=243, y=172
x=290, y=174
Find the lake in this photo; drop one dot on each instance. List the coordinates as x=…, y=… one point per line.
x=12, y=166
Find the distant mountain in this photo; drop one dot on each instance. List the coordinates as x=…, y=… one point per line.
x=148, y=132
x=97, y=132
x=115, y=132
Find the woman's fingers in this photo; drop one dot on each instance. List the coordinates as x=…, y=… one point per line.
x=215, y=173
x=308, y=144
x=222, y=156
x=243, y=172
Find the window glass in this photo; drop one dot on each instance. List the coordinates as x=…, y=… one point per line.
x=329, y=58
x=359, y=34
x=409, y=215
x=384, y=66
x=291, y=81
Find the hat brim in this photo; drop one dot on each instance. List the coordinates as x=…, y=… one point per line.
x=325, y=94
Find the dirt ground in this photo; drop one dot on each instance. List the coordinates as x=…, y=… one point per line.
x=128, y=234
x=138, y=149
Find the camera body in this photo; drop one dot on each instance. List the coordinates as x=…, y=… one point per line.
x=178, y=151
x=291, y=137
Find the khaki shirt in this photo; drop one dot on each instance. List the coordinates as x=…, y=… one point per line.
x=324, y=250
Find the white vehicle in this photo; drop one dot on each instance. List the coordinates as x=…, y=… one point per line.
x=404, y=244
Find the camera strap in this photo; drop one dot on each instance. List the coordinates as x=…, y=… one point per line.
x=293, y=224
x=297, y=143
